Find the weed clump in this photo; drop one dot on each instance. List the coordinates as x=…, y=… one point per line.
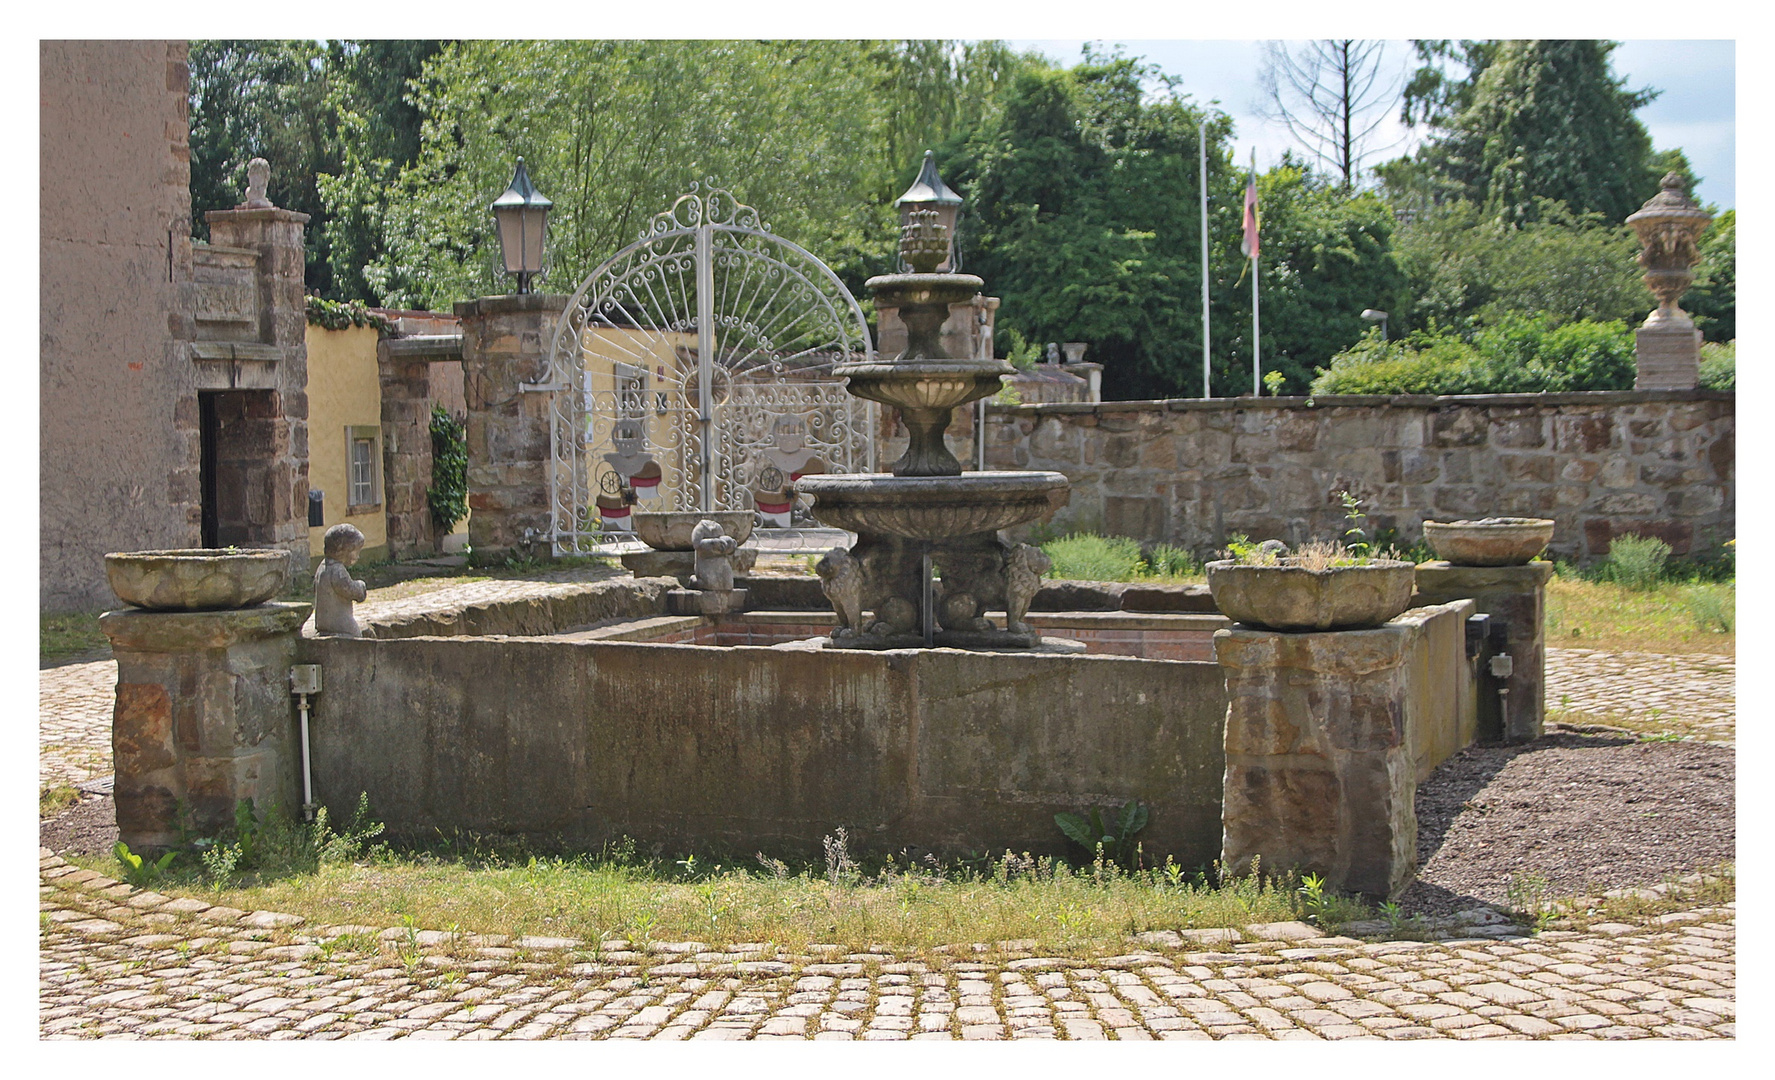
x=1638, y=561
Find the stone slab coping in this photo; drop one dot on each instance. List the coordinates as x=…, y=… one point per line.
x=439, y=347
x=643, y=629
x=1123, y=620
x=1329, y=401
x=632, y=629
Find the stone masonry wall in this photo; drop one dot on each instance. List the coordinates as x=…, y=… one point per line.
x=1192, y=472
x=118, y=438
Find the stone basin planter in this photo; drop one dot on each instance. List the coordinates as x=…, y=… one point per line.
x=197, y=579
x=1291, y=597
x=670, y=530
x=1501, y=541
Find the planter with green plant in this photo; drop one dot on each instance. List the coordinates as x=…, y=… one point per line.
x=1322, y=585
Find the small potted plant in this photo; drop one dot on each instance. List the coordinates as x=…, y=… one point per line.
x=1323, y=585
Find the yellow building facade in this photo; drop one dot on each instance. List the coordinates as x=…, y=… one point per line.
x=345, y=435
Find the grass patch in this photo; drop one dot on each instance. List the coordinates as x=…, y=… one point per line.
x=502, y=888
x=1718, y=885
x=52, y=801
x=1667, y=617
x=60, y=637
x=1089, y=557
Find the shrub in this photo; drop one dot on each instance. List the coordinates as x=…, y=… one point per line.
x=1637, y=561
x=1719, y=365
x=1517, y=355
x=1087, y=557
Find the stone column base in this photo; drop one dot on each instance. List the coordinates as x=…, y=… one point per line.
x=204, y=718
x=1324, y=732
x=1518, y=596
x=1667, y=357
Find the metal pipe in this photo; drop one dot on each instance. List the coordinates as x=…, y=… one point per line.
x=307, y=771
x=705, y=358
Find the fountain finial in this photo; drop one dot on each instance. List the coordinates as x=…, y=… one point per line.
x=924, y=241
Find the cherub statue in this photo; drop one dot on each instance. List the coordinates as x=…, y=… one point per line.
x=1024, y=566
x=334, y=589
x=714, y=550
x=841, y=579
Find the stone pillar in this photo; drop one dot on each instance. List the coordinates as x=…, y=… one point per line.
x=1667, y=346
x=203, y=719
x=406, y=449
x=505, y=342
x=1518, y=596
x=1323, y=735
x=280, y=322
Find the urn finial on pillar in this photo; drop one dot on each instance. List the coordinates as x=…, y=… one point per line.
x=1667, y=345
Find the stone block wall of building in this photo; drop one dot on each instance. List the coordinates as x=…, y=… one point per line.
x=118, y=440
x=1192, y=472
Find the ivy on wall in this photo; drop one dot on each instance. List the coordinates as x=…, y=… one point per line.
x=340, y=315
x=448, y=494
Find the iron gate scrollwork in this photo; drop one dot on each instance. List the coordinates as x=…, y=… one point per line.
x=692, y=370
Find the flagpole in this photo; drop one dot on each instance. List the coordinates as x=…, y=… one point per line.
x=1256, y=347
x=1203, y=130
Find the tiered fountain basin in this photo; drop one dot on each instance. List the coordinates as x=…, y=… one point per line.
x=934, y=508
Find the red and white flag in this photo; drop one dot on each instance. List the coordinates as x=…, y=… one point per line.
x=1249, y=244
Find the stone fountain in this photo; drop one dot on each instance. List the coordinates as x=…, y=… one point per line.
x=929, y=561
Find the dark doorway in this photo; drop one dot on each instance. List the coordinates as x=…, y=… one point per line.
x=239, y=433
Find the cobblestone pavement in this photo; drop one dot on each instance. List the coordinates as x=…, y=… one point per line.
x=1692, y=695
x=74, y=722
x=123, y=963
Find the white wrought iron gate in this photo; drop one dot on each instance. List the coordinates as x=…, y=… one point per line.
x=692, y=370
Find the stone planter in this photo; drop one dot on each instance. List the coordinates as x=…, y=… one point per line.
x=197, y=579
x=1288, y=596
x=670, y=530
x=1502, y=541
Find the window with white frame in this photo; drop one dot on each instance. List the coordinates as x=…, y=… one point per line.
x=361, y=467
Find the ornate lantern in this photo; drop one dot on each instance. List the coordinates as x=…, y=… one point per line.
x=522, y=216
x=930, y=193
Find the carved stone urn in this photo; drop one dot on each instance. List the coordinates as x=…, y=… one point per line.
x=1667, y=346
x=197, y=579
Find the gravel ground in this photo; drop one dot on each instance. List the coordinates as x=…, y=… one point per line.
x=1586, y=812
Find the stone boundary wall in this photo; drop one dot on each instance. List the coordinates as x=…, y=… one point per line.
x=765, y=748
x=1192, y=472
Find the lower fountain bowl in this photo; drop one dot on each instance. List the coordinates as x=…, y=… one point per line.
x=934, y=507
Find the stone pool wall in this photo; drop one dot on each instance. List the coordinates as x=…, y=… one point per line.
x=748, y=748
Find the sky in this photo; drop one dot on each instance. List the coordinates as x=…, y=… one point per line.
x=1696, y=111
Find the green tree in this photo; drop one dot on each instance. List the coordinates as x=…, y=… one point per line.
x=376, y=134
x=1085, y=219
x=1713, y=299
x=1535, y=121
x=1326, y=256
x=813, y=133
x=1465, y=269
x=1082, y=214
x=262, y=99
